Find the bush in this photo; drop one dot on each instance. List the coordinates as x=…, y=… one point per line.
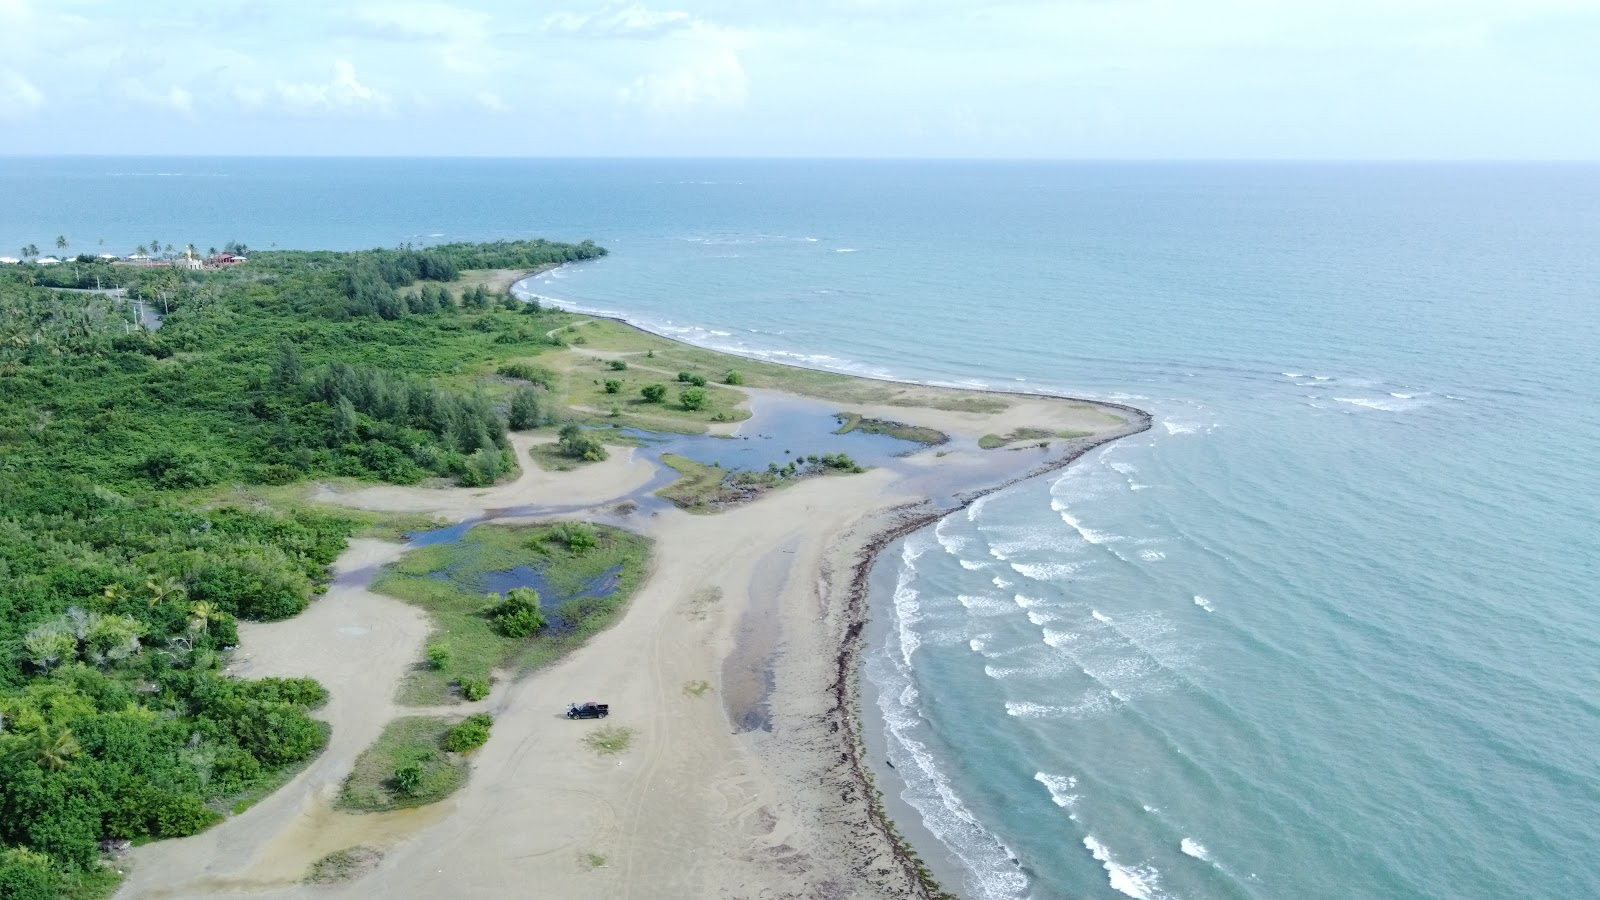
x=654, y=393
x=474, y=689
x=693, y=398
x=579, y=537
x=408, y=778
x=518, y=615
x=613, y=386
x=579, y=444
x=618, y=365
x=469, y=735
x=733, y=377
x=683, y=377
x=526, y=372
x=524, y=412
x=438, y=656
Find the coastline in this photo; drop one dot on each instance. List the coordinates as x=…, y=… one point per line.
x=787, y=809
x=847, y=716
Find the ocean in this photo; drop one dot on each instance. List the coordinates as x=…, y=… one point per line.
x=1328, y=630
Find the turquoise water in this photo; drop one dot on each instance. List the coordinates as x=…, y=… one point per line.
x=1327, y=630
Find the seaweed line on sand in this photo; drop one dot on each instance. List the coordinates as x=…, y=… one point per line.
x=845, y=713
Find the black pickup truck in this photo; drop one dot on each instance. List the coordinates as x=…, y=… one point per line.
x=589, y=710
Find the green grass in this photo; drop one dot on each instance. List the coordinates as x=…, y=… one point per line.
x=344, y=865
x=609, y=739
x=593, y=860
x=476, y=648
x=696, y=688
x=584, y=389
x=917, y=434
x=548, y=456
x=413, y=739
x=700, y=488
x=93, y=884
x=996, y=441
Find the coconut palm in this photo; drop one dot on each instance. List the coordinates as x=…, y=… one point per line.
x=115, y=592
x=61, y=242
x=166, y=588
x=55, y=751
x=201, y=615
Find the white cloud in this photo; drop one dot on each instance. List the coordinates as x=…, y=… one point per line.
x=173, y=97
x=344, y=92
x=423, y=22
x=17, y=94
x=718, y=80
x=491, y=101
x=632, y=20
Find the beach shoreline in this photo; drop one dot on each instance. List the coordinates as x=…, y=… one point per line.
x=849, y=716
x=699, y=806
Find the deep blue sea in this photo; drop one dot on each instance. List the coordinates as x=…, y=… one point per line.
x=1329, y=630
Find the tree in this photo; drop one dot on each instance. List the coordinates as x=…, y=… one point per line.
x=29, y=251
x=166, y=588
x=61, y=242
x=613, y=386
x=518, y=615
x=693, y=398
x=618, y=365
x=578, y=444
x=654, y=393
x=733, y=377
x=469, y=734
x=49, y=644
x=142, y=250
x=286, y=369
x=202, y=614
x=155, y=248
x=54, y=750
x=524, y=412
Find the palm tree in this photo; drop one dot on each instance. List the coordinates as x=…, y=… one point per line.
x=114, y=592
x=55, y=751
x=201, y=615
x=29, y=251
x=61, y=242
x=166, y=587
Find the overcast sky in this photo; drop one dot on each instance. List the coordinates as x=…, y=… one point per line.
x=1069, y=78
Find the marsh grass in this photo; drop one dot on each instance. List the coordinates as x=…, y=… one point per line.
x=696, y=688
x=476, y=647
x=917, y=434
x=416, y=740
x=610, y=739
x=344, y=865
x=996, y=441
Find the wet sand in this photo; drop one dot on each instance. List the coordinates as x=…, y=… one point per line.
x=702, y=804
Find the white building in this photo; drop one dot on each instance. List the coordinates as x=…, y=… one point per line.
x=9, y=260
x=47, y=261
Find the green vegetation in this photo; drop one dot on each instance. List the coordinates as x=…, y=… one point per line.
x=996, y=441
x=849, y=421
x=407, y=766
x=707, y=489
x=472, y=733
x=654, y=393
x=571, y=559
x=733, y=377
x=344, y=865
x=696, y=688
x=609, y=739
x=593, y=860
x=148, y=502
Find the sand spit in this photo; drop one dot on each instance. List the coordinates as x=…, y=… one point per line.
x=699, y=806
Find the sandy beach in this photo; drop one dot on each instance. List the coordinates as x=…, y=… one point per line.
x=754, y=789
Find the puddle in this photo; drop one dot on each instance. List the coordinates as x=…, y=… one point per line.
x=747, y=678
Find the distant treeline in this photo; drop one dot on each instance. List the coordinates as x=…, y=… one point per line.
x=123, y=567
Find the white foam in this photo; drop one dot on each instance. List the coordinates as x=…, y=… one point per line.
x=1178, y=428
x=1139, y=882
x=1195, y=849
x=1045, y=571
x=1371, y=403
x=1000, y=582
x=1060, y=788
x=971, y=566
x=1203, y=603
x=984, y=606
x=1085, y=532
x=1152, y=555
x=1401, y=396
x=844, y=249
x=1100, y=617
x=1292, y=375
x=1041, y=619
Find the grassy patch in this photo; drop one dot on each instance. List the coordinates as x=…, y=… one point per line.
x=92, y=884
x=917, y=434
x=410, y=741
x=609, y=739
x=701, y=603
x=476, y=648
x=996, y=441
x=592, y=860
x=696, y=688
x=344, y=865
x=700, y=488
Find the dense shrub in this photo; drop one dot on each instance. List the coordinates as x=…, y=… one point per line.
x=517, y=615
x=654, y=393
x=694, y=398
x=470, y=734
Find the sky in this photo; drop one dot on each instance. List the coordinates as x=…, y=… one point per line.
x=1075, y=79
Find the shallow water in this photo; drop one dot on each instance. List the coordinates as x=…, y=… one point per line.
x=1325, y=631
